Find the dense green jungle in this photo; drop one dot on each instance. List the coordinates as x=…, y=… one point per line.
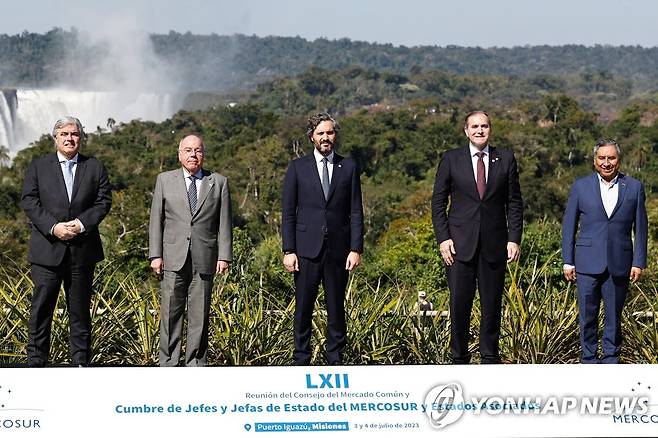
x=396, y=120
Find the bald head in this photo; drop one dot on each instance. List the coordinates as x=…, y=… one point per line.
x=190, y=153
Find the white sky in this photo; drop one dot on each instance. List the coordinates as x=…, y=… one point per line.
x=400, y=22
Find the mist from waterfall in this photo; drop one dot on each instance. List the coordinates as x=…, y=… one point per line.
x=26, y=114
x=112, y=73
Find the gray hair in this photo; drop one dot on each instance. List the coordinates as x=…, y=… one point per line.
x=606, y=142
x=473, y=113
x=68, y=120
x=318, y=118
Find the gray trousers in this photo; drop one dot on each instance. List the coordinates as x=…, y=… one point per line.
x=178, y=288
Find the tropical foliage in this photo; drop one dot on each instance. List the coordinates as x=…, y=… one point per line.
x=396, y=125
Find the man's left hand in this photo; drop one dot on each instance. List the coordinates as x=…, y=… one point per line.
x=222, y=266
x=513, y=252
x=74, y=226
x=636, y=273
x=353, y=260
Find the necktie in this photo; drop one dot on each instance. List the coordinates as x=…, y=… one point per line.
x=481, y=180
x=191, y=193
x=68, y=177
x=325, y=178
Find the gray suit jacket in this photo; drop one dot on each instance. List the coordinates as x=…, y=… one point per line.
x=173, y=231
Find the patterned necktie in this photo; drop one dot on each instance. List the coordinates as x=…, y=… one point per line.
x=68, y=177
x=191, y=193
x=481, y=179
x=325, y=178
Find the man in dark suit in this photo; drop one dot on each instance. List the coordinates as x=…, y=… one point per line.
x=190, y=240
x=609, y=207
x=322, y=232
x=479, y=234
x=65, y=196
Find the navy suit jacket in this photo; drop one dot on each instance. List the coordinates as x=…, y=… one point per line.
x=46, y=203
x=602, y=242
x=492, y=221
x=307, y=217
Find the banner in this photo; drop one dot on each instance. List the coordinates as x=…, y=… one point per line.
x=422, y=401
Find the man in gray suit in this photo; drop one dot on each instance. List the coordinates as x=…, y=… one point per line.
x=190, y=240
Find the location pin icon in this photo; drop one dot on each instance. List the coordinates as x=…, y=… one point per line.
x=247, y=427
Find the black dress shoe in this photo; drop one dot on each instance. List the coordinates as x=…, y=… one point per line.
x=336, y=362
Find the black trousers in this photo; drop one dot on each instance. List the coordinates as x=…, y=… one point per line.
x=462, y=280
x=47, y=280
x=332, y=274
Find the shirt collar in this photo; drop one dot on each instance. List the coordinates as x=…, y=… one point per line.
x=198, y=175
x=318, y=156
x=475, y=150
x=61, y=158
x=606, y=183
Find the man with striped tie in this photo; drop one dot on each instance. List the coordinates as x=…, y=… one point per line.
x=190, y=240
x=65, y=196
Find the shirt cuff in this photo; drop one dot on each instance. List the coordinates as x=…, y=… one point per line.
x=82, y=227
x=568, y=267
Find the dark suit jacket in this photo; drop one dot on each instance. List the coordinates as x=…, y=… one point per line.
x=605, y=243
x=306, y=216
x=46, y=203
x=174, y=231
x=492, y=221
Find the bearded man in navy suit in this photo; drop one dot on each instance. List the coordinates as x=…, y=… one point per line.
x=322, y=234
x=65, y=196
x=479, y=234
x=609, y=208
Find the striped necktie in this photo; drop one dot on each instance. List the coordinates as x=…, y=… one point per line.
x=191, y=193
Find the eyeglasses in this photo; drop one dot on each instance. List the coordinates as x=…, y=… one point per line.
x=190, y=151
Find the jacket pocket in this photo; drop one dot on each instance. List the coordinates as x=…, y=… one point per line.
x=584, y=242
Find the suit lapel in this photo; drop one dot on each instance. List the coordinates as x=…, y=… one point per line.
x=80, y=169
x=59, y=177
x=207, y=183
x=313, y=176
x=465, y=167
x=180, y=188
x=621, y=193
x=494, y=167
x=596, y=192
x=337, y=173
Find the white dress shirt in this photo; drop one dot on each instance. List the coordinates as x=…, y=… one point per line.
x=330, y=163
x=609, y=194
x=474, y=161
x=62, y=164
x=197, y=179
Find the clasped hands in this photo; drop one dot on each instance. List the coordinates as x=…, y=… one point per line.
x=67, y=230
x=447, y=250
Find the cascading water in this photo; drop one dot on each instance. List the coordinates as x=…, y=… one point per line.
x=7, y=117
x=26, y=114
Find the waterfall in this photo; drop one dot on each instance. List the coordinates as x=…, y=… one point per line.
x=26, y=114
x=7, y=117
